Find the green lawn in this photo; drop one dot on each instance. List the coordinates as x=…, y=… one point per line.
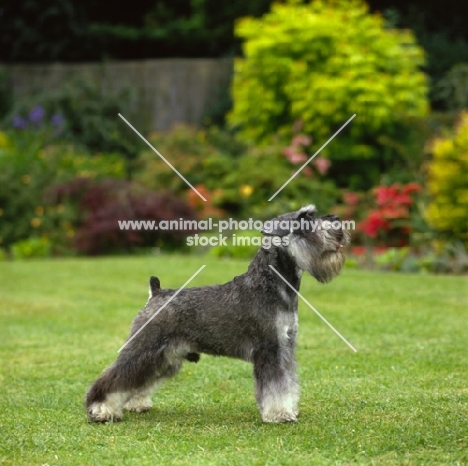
x=402, y=399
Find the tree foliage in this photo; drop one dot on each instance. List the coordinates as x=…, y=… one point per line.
x=320, y=63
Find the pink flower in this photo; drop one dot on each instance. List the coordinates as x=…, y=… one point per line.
x=351, y=198
x=301, y=140
x=322, y=165
x=298, y=157
x=293, y=156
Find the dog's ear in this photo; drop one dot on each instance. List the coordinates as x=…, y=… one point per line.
x=154, y=285
x=287, y=223
x=307, y=213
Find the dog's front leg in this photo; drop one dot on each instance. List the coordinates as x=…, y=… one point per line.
x=277, y=391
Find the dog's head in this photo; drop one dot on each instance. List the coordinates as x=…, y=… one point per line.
x=314, y=242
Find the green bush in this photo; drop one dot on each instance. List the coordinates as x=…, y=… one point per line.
x=448, y=183
x=320, y=63
x=32, y=248
x=452, y=89
x=31, y=162
x=88, y=117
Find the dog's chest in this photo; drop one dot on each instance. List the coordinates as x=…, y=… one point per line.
x=287, y=326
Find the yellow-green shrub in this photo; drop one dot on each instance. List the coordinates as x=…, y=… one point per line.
x=448, y=183
x=320, y=63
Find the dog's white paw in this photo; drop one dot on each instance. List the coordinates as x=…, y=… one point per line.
x=108, y=410
x=139, y=404
x=279, y=417
x=102, y=412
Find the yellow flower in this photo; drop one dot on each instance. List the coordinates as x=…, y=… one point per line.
x=60, y=208
x=39, y=210
x=70, y=233
x=35, y=222
x=26, y=179
x=246, y=190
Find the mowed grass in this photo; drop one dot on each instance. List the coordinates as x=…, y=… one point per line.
x=402, y=399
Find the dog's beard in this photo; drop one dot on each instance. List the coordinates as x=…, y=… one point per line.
x=326, y=267
x=323, y=265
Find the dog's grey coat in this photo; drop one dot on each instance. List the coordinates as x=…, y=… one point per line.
x=253, y=317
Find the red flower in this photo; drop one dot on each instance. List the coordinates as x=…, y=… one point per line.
x=403, y=199
x=373, y=224
x=394, y=211
x=385, y=194
x=358, y=250
x=411, y=188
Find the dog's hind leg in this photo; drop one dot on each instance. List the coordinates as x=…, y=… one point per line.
x=141, y=401
x=134, y=376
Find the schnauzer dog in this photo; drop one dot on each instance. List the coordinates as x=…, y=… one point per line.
x=253, y=317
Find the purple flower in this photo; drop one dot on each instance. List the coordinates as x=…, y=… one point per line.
x=57, y=120
x=19, y=122
x=36, y=115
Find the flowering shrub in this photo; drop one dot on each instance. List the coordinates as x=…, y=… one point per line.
x=236, y=178
x=323, y=61
x=81, y=113
x=99, y=205
x=37, y=120
x=448, y=183
x=383, y=215
x=32, y=159
x=390, y=217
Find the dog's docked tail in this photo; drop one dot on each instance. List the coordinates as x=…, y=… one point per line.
x=154, y=286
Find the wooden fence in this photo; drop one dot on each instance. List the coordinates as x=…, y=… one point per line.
x=163, y=91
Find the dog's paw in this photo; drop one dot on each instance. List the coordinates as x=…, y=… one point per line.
x=100, y=412
x=280, y=417
x=139, y=404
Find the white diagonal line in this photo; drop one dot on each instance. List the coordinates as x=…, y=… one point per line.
x=165, y=160
x=315, y=310
x=162, y=307
x=305, y=163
